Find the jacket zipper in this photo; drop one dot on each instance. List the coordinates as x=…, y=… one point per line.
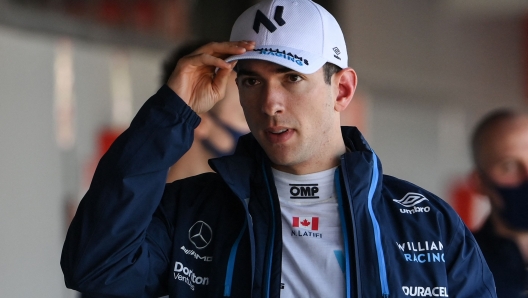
x=231, y=262
x=345, y=233
x=354, y=230
x=377, y=232
x=272, y=240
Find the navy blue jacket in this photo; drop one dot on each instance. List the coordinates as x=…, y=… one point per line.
x=219, y=234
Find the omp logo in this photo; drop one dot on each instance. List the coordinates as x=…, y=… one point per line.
x=261, y=18
x=187, y=275
x=425, y=291
x=200, y=234
x=304, y=191
x=411, y=199
x=195, y=255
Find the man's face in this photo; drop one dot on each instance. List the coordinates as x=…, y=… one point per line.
x=505, y=155
x=292, y=115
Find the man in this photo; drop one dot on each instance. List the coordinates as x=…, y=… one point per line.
x=500, y=155
x=300, y=210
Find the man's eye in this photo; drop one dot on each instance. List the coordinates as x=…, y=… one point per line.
x=250, y=82
x=294, y=78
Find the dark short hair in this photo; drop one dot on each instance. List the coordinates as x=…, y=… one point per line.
x=484, y=127
x=329, y=69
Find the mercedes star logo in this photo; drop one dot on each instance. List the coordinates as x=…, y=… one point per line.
x=200, y=234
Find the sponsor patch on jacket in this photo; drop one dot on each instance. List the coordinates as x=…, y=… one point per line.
x=417, y=291
x=422, y=251
x=410, y=200
x=187, y=275
x=196, y=255
x=200, y=234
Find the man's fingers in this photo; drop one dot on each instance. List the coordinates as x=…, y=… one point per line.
x=215, y=62
x=224, y=49
x=213, y=54
x=221, y=77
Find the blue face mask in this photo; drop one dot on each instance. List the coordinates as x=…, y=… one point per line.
x=234, y=134
x=515, y=199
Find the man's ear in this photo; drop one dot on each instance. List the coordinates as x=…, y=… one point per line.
x=346, y=81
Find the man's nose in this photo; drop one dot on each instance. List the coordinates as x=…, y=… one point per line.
x=272, y=100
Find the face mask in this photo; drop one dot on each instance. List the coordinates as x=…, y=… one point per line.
x=515, y=199
x=232, y=132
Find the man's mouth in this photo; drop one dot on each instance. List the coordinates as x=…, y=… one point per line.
x=279, y=134
x=278, y=131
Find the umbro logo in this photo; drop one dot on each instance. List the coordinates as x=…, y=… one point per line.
x=410, y=200
x=260, y=18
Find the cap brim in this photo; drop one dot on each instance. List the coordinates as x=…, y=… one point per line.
x=294, y=59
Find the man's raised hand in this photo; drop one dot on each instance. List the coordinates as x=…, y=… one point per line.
x=194, y=78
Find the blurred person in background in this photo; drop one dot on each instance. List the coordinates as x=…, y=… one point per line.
x=219, y=129
x=500, y=155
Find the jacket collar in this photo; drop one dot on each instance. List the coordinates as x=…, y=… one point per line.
x=237, y=169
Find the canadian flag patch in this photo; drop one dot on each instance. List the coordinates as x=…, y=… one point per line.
x=307, y=223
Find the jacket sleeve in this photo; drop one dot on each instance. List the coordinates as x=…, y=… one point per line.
x=467, y=271
x=115, y=247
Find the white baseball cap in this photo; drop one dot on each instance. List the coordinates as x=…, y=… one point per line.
x=298, y=34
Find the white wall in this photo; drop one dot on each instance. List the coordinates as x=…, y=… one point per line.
x=36, y=177
x=30, y=197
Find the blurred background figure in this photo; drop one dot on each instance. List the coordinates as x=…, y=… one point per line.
x=500, y=155
x=219, y=129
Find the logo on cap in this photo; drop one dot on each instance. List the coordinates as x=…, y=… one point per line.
x=337, y=52
x=261, y=18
